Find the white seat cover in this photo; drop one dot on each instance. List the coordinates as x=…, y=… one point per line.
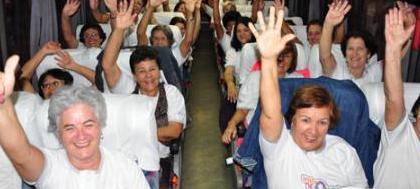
x=166, y=17
x=375, y=96
x=85, y=57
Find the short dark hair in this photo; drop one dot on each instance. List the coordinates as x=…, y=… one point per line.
x=415, y=110
x=166, y=30
x=230, y=16
x=176, y=20
x=365, y=36
x=57, y=74
x=313, y=96
x=94, y=26
x=142, y=53
x=291, y=48
x=313, y=22
x=235, y=43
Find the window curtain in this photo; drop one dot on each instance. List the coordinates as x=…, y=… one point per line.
x=43, y=24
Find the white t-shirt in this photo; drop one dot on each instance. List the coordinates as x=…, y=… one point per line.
x=373, y=73
x=115, y=171
x=176, y=103
x=225, y=42
x=398, y=161
x=336, y=165
x=249, y=93
x=176, y=51
x=176, y=112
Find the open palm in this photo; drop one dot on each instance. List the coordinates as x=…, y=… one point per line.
x=71, y=7
x=337, y=11
x=7, y=79
x=395, y=34
x=269, y=40
x=125, y=17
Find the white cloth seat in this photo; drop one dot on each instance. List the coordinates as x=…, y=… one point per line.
x=175, y=31
x=314, y=64
x=300, y=32
x=375, y=96
x=130, y=126
x=166, y=17
x=296, y=19
x=84, y=57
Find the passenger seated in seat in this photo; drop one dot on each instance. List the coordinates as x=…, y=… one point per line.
x=91, y=34
x=162, y=36
x=242, y=35
x=305, y=156
x=398, y=162
x=76, y=115
x=357, y=48
x=313, y=32
x=170, y=106
x=182, y=23
x=52, y=79
x=224, y=32
x=249, y=93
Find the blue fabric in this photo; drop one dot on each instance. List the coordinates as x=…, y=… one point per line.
x=354, y=126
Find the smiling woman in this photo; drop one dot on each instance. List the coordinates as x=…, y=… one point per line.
x=76, y=114
x=305, y=156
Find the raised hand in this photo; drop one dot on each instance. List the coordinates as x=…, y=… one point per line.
x=7, y=79
x=111, y=5
x=50, y=47
x=269, y=40
x=65, y=61
x=337, y=11
x=278, y=5
x=71, y=7
x=124, y=15
x=395, y=33
x=409, y=17
x=94, y=4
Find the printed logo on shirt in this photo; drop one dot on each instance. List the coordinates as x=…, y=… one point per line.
x=311, y=182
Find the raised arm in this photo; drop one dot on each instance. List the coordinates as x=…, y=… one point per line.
x=30, y=66
x=218, y=27
x=27, y=159
x=189, y=30
x=65, y=61
x=409, y=19
x=257, y=6
x=145, y=20
x=97, y=14
x=124, y=19
x=270, y=43
x=335, y=15
x=69, y=9
x=395, y=36
x=197, y=20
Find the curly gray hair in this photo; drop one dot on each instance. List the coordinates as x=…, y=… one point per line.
x=71, y=95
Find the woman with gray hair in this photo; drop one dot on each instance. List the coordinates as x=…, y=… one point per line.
x=76, y=115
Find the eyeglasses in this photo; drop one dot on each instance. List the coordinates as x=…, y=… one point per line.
x=91, y=35
x=51, y=85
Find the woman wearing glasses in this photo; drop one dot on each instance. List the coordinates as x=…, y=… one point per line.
x=52, y=79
